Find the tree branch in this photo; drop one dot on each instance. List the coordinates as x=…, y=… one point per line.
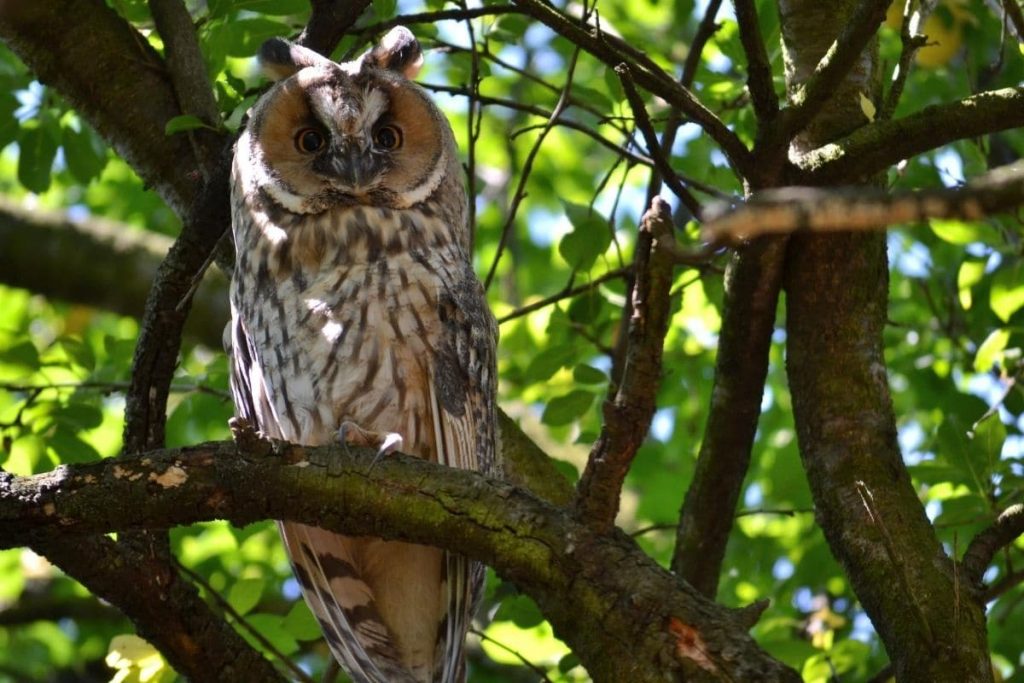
x=189, y=78
x=556, y=560
x=647, y=75
x=643, y=122
x=759, y=70
x=166, y=610
x=1004, y=531
x=628, y=413
x=46, y=252
x=879, y=145
x=329, y=22
x=811, y=209
x=809, y=98
x=752, y=285
x=136, y=100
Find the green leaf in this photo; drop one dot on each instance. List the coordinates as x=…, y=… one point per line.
x=243, y=37
x=588, y=239
x=595, y=98
x=521, y=610
x=83, y=153
x=245, y=594
x=1007, y=295
x=990, y=350
x=9, y=125
x=962, y=232
x=562, y=410
x=989, y=437
x=182, y=123
x=80, y=416
x=271, y=627
x=568, y=663
x=587, y=374
x=300, y=622
x=385, y=8
x=37, y=148
x=68, y=447
x=970, y=274
x=23, y=354
x=544, y=365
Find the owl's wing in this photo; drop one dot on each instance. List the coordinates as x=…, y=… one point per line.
x=247, y=387
x=462, y=407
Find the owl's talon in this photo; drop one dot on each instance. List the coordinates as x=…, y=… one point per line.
x=391, y=443
x=385, y=442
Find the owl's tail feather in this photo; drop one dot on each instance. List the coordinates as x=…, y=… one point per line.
x=344, y=605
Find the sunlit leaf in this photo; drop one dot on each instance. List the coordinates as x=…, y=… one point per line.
x=245, y=594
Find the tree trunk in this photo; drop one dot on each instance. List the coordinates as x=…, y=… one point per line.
x=836, y=293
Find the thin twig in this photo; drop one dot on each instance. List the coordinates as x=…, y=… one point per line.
x=462, y=14
x=111, y=387
x=540, y=111
x=643, y=122
x=520, y=193
x=911, y=43
x=759, y=70
x=707, y=28
x=647, y=75
x=473, y=122
x=515, y=653
x=241, y=620
x=867, y=499
x=566, y=293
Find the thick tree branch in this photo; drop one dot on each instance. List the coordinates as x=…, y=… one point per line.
x=752, y=285
x=98, y=263
x=166, y=610
x=99, y=47
x=628, y=412
x=812, y=94
x=879, y=145
x=1015, y=16
x=329, y=22
x=188, y=75
x=1004, y=531
x=861, y=208
x=664, y=628
x=647, y=75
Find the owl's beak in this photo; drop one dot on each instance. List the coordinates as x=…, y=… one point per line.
x=351, y=164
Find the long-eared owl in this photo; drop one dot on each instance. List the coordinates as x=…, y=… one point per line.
x=355, y=308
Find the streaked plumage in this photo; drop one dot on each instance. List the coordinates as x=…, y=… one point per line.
x=354, y=300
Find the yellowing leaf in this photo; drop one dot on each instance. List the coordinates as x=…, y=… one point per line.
x=867, y=106
x=969, y=275
x=990, y=349
x=136, y=661
x=1007, y=294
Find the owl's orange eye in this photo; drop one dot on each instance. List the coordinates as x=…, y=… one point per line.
x=309, y=141
x=388, y=137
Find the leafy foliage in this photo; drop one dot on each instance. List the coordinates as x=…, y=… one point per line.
x=953, y=345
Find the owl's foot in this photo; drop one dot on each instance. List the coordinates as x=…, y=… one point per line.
x=384, y=442
x=243, y=432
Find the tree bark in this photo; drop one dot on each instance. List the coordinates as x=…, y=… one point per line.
x=625, y=617
x=836, y=297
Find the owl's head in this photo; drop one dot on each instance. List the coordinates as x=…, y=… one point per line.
x=357, y=132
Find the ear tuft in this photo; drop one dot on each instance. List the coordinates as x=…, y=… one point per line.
x=280, y=59
x=397, y=51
